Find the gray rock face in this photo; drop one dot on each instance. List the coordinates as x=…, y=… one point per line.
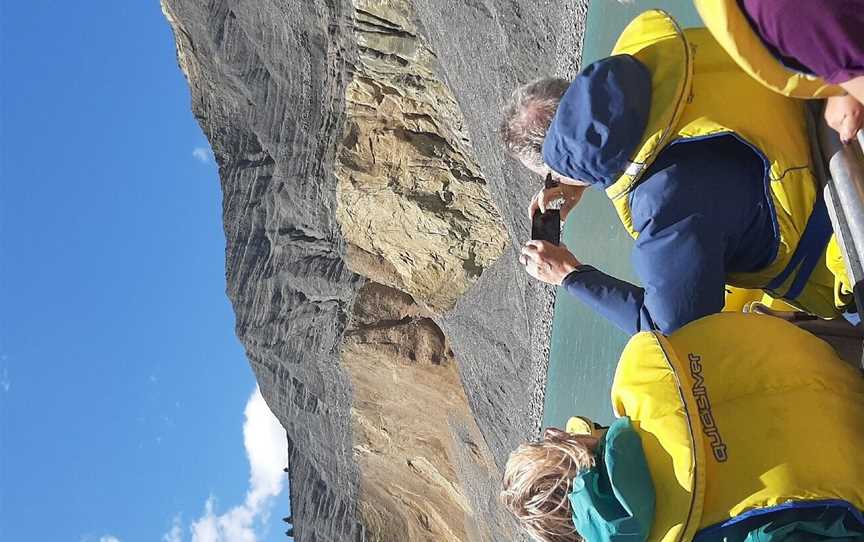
x=269, y=81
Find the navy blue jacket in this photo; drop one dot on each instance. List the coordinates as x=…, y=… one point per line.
x=702, y=209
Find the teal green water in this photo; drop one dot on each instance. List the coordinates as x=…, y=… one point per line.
x=585, y=347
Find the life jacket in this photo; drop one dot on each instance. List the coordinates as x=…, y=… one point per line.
x=738, y=415
x=732, y=30
x=698, y=92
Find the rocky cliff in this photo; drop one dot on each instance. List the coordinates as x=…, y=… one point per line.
x=372, y=225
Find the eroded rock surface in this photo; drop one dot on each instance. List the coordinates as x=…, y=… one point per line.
x=401, y=350
x=409, y=189
x=411, y=419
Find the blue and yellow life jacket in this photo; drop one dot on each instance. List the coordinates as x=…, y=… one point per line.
x=741, y=415
x=698, y=92
x=730, y=27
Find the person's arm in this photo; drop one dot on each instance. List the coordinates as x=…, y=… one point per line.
x=855, y=87
x=620, y=302
x=681, y=265
x=845, y=114
x=679, y=262
x=821, y=37
x=683, y=282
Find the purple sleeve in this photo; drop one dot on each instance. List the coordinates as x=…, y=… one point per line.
x=826, y=37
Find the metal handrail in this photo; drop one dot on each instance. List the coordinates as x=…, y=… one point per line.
x=844, y=195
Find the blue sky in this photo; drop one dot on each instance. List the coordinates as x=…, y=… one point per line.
x=122, y=384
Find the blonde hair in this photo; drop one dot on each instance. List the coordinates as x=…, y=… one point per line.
x=537, y=482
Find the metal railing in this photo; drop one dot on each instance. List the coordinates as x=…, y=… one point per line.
x=844, y=196
x=844, y=193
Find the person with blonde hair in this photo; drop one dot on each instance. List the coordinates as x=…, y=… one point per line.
x=735, y=428
x=537, y=482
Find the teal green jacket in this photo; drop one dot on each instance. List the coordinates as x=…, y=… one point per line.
x=614, y=500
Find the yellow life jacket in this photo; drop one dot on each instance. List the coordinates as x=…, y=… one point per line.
x=733, y=32
x=699, y=92
x=739, y=412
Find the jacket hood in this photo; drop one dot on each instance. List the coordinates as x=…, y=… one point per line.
x=600, y=121
x=614, y=500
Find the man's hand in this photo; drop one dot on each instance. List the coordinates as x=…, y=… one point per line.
x=547, y=262
x=844, y=114
x=568, y=194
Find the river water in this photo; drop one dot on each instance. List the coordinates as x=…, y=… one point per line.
x=585, y=348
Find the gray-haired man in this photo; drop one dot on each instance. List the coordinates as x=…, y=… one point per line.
x=700, y=209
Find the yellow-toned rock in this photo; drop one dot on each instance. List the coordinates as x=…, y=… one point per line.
x=407, y=401
x=409, y=190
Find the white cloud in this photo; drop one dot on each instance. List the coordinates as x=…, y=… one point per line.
x=176, y=532
x=109, y=538
x=202, y=154
x=5, y=383
x=266, y=449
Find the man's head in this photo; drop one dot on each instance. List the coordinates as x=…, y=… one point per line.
x=527, y=117
x=537, y=482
